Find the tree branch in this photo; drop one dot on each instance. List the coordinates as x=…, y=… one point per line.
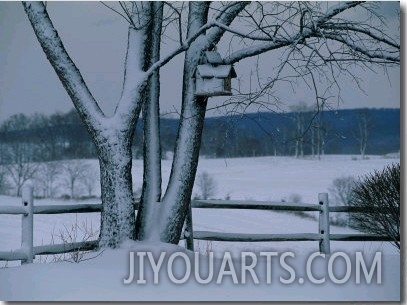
x=353, y=28
x=303, y=33
x=129, y=20
x=225, y=18
x=370, y=54
x=63, y=65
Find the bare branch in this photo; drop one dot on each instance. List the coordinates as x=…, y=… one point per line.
x=350, y=27
x=370, y=54
x=129, y=20
x=304, y=32
x=225, y=18
x=178, y=20
x=128, y=14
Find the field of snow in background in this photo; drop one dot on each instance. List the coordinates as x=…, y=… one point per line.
x=263, y=178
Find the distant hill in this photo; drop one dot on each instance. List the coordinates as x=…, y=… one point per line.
x=63, y=136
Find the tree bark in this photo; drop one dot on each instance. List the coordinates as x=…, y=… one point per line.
x=112, y=136
x=179, y=190
x=118, y=216
x=151, y=192
x=178, y=194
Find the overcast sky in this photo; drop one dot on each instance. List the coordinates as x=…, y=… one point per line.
x=96, y=40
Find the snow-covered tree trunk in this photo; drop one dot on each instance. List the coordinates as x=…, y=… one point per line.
x=178, y=194
x=185, y=164
x=117, y=217
x=112, y=135
x=179, y=191
x=114, y=140
x=151, y=192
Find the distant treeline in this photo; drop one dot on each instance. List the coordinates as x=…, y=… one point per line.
x=358, y=131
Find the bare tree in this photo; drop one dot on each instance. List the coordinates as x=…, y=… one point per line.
x=113, y=135
x=89, y=179
x=4, y=184
x=311, y=41
x=320, y=131
x=317, y=42
x=46, y=178
x=341, y=190
x=364, y=126
x=301, y=126
x=19, y=166
x=73, y=172
x=207, y=184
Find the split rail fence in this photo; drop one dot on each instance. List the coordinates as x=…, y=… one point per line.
x=28, y=251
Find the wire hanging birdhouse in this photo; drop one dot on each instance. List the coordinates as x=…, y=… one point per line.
x=212, y=77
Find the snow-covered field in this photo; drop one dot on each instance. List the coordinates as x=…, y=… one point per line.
x=265, y=178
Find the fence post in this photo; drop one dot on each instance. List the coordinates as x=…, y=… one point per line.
x=189, y=232
x=324, y=243
x=27, y=225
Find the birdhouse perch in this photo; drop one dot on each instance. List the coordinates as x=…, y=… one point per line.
x=212, y=77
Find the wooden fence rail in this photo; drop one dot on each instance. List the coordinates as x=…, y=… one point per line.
x=27, y=251
x=323, y=236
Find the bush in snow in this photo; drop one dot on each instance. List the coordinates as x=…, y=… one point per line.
x=379, y=193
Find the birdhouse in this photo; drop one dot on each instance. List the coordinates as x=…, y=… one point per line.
x=212, y=77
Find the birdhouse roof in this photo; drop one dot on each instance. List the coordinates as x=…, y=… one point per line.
x=213, y=57
x=209, y=71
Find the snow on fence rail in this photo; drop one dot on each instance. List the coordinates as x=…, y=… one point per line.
x=27, y=251
x=323, y=235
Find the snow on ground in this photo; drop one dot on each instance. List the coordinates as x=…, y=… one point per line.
x=276, y=178
x=102, y=279
x=265, y=178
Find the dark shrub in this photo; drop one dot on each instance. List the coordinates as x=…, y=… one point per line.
x=379, y=194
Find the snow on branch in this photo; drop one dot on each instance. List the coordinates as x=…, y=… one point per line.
x=224, y=19
x=305, y=30
x=184, y=46
x=134, y=79
x=337, y=9
x=63, y=65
